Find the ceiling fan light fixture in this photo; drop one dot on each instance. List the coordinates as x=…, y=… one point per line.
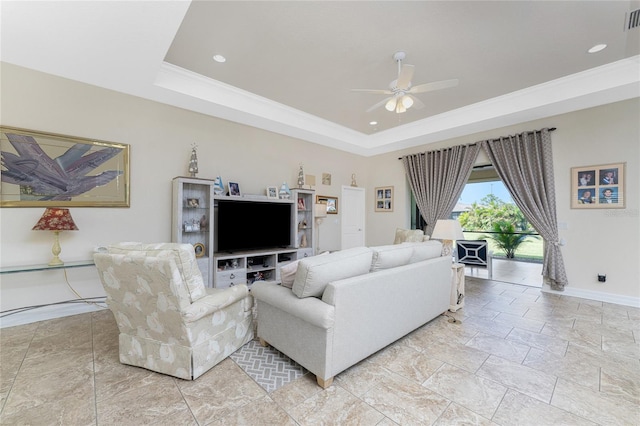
x=391, y=104
x=400, y=108
x=407, y=101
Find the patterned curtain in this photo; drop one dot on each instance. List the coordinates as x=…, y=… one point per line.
x=437, y=179
x=525, y=165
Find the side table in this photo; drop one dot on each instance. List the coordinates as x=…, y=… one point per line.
x=457, y=287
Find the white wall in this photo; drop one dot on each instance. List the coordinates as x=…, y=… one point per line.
x=160, y=137
x=598, y=241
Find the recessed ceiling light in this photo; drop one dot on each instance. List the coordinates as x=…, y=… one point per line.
x=219, y=58
x=373, y=123
x=597, y=48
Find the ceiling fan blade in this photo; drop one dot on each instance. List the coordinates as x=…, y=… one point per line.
x=436, y=85
x=406, y=74
x=379, y=104
x=377, y=91
x=417, y=103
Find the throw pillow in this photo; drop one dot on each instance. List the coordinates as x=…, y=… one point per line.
x=288, y=273
x=408, y=235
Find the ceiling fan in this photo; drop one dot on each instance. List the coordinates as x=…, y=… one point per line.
x=401, y=91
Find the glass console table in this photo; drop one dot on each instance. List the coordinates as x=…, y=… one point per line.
x=45, y=267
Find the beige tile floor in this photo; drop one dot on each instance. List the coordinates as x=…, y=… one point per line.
x=515, y=357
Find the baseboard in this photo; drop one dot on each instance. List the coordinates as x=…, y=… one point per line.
x=47, y=312
x=595, y=295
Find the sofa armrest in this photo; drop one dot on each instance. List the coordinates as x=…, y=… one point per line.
x=215, y=300
x=309, y=309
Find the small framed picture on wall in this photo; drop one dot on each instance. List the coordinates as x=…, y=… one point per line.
x=598, y=187
x=384, y=199
x=330, y=202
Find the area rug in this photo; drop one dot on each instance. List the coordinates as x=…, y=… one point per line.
x=269, y=367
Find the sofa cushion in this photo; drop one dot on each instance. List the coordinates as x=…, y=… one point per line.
x=183, y=254
x=314, y=273
x=408, y=235
x=390, y=256
x=424, y=250
x=288, y=272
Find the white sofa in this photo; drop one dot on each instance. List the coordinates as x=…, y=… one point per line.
x=346, y=305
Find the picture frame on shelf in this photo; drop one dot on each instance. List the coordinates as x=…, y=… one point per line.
x=52, y=170
x=199, y=249
x=598, y=187
x=384, y=199
x=234, y=189
x=331, y=203
x=272, y=192
x=192, y=203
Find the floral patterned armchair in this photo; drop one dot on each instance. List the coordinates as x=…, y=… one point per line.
x=168, y=321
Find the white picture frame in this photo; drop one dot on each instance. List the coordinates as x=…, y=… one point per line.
x=272, y=192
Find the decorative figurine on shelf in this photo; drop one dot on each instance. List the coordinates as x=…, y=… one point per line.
x=218, y=186
x=285, y=192
x=300, y=177
x=204, y=222
x=353, y=180
x=303, y=241
x=234, y=263
x=193, y=162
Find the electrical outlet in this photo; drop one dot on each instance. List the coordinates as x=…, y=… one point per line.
x=602, y=278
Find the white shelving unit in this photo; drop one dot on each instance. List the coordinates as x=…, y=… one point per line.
x=247, y=267
x=304, y=221
x=192, y=220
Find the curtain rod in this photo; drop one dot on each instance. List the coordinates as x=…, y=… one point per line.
x=551, y=129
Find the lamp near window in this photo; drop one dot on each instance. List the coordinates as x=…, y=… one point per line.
x=320, y=213
x=447, y=230
x=56, y=220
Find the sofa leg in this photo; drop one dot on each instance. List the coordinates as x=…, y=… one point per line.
x=324, y=383
x=263, y=342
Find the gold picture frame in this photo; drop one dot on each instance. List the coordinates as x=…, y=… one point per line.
x=199, y=249
x=52, y=170
x=330, y=202
x=384, y=199
x=598, y=187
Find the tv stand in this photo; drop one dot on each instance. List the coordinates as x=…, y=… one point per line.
x=246, y=267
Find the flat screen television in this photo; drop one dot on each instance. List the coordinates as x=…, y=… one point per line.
x=252, y=225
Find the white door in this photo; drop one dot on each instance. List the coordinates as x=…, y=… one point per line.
x=353, y=213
